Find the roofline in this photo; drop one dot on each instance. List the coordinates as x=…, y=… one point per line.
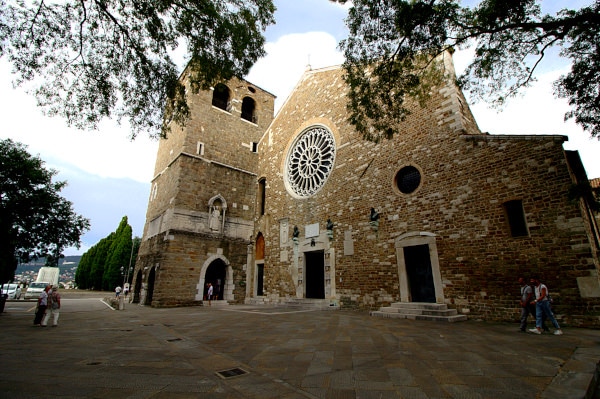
x=522, y=137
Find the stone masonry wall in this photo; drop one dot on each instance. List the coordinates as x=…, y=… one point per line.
x=212, y=155
x=466, y=178
x=180, y=261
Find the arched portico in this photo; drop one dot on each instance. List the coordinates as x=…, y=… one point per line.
x=226, y=289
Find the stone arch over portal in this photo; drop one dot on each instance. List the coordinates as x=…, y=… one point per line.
x=411, y=240
x=228, y=286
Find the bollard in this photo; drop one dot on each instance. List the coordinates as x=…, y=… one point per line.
x=121, y=303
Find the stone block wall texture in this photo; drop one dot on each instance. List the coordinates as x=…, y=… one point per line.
x=466, y=178
x=181, y=259
x=177, y=237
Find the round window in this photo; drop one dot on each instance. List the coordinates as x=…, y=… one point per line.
x=310, y=161
x=408, y=179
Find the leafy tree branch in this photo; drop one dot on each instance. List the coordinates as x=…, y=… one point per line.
x=510, y=40
x=89, y=60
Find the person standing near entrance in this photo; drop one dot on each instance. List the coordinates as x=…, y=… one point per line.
x=210, y=293
x=542, y=307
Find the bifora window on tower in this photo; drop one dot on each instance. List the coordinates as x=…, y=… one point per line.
x=310, y=161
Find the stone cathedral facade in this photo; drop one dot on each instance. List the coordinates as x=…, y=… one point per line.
x=298, y=207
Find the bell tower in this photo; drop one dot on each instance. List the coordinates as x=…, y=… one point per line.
x=199, y=221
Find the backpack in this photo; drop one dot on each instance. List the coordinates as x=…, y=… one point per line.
x=54, y=300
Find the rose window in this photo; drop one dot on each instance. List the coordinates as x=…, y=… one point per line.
x=310, y=161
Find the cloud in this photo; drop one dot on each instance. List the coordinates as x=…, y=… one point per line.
x=105, y=201
x=105, y=153
x=287, y=59
x=108, y=175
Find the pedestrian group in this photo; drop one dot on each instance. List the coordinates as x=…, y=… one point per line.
x=535, y=300
x=48, y=305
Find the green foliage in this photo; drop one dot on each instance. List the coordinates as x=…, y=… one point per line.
x=99, y=262
x=393, y=43
x=112, y=59
x=35, y=220
x=104, y=265
x=118, y=256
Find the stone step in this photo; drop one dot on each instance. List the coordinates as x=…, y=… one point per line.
x=419, y=311
x=392, y=315
x=443, y=312
x=254, y=301
x=215, y=303
x=419, y=305
x=311, y=303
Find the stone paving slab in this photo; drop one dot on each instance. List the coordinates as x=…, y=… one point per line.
x=142, y=352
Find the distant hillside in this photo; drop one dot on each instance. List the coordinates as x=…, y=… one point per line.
x=64, y=264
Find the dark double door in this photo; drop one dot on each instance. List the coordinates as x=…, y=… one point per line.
x=314, y=274
x=419, y=273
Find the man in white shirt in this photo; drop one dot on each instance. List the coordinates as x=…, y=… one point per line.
x=542, y=308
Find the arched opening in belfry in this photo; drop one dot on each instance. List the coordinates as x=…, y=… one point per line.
x=222, y=97
x=249, y=109
x=216, y=274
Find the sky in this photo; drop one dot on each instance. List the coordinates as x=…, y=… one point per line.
x=109, y=176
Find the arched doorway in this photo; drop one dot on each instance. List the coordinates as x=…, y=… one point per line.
x=150, y=291
x=216, y=274
x=138, y=287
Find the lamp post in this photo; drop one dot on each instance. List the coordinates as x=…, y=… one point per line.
x=126, y=279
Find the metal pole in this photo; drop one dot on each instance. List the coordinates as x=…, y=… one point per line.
x=129, y=267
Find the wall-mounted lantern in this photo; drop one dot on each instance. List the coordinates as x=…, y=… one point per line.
x=329, y=229
x=374, y=220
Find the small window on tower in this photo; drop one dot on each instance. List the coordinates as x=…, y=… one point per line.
x=200, y=148
x=515, y=214
x=154, y=192
x=254, y=147
x=262, y=188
